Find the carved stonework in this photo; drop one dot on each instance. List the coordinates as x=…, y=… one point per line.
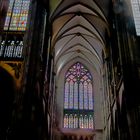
x=14, y=68
x=17, y=68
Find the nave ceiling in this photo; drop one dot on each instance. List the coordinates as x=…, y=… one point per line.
x=79, y=30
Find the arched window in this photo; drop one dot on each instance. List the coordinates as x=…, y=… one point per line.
x=78, y=98
x=17, y=14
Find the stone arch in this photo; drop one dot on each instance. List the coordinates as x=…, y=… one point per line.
x=97, y=83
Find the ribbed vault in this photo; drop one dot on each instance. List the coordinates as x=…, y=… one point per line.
x=79, y=30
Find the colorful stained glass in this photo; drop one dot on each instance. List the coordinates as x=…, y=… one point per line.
x=71, y=121
x=75, y=95
x=17, y=14
x=78, y=97
x=66, y=121
x=66, y=95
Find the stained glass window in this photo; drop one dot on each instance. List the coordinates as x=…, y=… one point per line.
x=78, y=98
x=11, y=49
x=17, y=14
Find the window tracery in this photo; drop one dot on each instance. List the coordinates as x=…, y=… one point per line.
x=78, y=98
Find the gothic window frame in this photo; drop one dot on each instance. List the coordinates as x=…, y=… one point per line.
x=78, y=112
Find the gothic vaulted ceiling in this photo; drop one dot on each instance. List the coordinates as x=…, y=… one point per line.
x=79, y=29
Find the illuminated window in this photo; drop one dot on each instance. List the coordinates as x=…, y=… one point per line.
x=136, y=14
x=11, y=49
x=17, y=14
x=78, y=98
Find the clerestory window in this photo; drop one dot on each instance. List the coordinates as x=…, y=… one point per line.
x=17, y=15
x=78, y=97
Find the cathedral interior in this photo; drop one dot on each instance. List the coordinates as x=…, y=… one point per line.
x=69, y=69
